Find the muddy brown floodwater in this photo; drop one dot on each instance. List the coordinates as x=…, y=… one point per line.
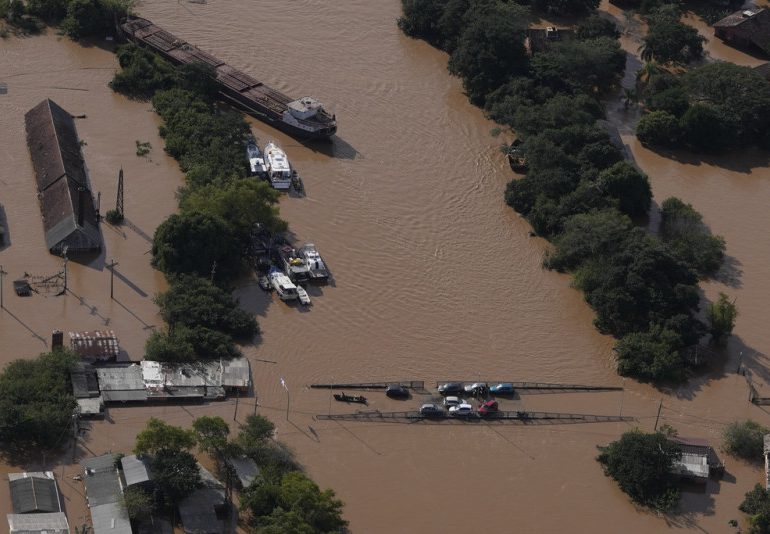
x=434, y=277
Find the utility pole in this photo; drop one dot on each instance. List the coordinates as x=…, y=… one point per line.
x=111, y=266
x=738, y=370
x=2, y=276
x=660, y=406
x=256, y=400
x=65, y=268
x=119, y=200
x=75, y=435
x=237, y=396
x=283, y=383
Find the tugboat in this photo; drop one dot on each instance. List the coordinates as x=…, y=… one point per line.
x=283, y=286
x=316, y=267
x=256, y=161
x=277, y=165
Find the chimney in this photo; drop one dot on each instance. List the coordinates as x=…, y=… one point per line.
x=57, y=340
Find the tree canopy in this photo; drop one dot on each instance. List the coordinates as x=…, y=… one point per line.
x=160, y=436
x=756, y=505
x=641, y=465
x=668, y=40
x=36, y=402
x=211, y=434
x=721, y=315
x=683, y=231
x=744, y=439
x=176, y=474
x=565, y=8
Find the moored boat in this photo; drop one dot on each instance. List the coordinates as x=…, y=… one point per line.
x=256, y=161
x=304, y=298
x=316, y=266
x=277, y=167
x=342, y=397
x=283, y=285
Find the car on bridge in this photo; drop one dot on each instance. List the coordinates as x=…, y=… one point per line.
x=503, y=388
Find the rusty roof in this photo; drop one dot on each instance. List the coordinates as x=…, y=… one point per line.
x=67, y=206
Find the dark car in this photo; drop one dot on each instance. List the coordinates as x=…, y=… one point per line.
x=451, y=388
x=432, y=410
x=396, y=391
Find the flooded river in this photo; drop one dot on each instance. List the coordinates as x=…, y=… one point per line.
x=434, y=277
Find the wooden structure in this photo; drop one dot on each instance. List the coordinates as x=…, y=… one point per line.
x=748, y=28
x=66, y=203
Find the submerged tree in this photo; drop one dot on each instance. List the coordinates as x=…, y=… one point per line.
x=721, y=316
x=745, y=439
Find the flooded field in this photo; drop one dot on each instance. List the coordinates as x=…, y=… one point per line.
x=434, y=277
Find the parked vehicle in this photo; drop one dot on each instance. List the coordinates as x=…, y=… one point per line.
x=461, y=410
x=452, y=401
x=477, y=388
x=489, y=407
x=396, y=391
x=451, y=388
x=432, y=410
x=504, y=388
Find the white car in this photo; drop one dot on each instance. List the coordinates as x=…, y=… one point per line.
x=476, y=387
x=461, y=410
x=452, y=401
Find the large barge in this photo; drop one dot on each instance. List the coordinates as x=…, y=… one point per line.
x=304, y=118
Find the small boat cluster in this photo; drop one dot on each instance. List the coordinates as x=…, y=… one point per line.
x=271, y=164
x=286, y=269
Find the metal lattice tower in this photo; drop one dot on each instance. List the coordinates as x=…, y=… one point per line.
x=119, y=201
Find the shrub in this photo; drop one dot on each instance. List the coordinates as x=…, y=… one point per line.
x=744, y=439
x=658, y=128
x=114, y=217
x=683, y=231
x=721, y=315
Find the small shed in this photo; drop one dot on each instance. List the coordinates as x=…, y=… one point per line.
x=236, y=374
x=85, y=383
x=746, y=28
x=698, y=461
x=66, y=202
x=136, y=469
x=55, y=523
x=34, y=493
x=121, y=383
x=97, y=345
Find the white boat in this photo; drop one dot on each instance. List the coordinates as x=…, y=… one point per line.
x=256, y=161
x=283, y=285
x=278, y=168
x=316, y=267
x=304, y=298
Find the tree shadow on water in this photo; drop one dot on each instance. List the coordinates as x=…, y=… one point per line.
x=743, y=161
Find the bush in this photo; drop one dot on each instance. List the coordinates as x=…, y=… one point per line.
x=565, y=8
x=658, y=128
x=183, y=344
x=668, y=40
x=596, y=26
x=683, y=231
x=641, y=464
x=91, y=18
x=142, y=73
x=705, y=129
x=721, y=315
x=629, y=186
x=756, y=505
x=114, y=217
x=745, y=440
x=651, y=355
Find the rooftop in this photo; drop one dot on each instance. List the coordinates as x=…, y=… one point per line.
x=34, y=492
x=102, y=481
x=738, y=18
x=110, y=518
x=245, y=469
x=198, y=512
x=136, y=469
x=52, y=523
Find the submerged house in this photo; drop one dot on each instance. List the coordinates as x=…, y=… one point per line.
x=104, y=494
x=698, y=461
x=66, y=202
x=748, y=28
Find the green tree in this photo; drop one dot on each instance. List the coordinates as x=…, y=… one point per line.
x=90, y=18
x=744, y=439
x=565, y=8
x=756, y=505
x=653, y=355
x=196, y=243
x=658, y=128
x=641, y=464
x=704, y=128
x=490, y=49
x=589, y=65
x=683, y=231
x=721, y=315
x=211, y=434
x=188, y=344
x=668, y=40
x=176, y=473
x=420, y=19
x=159, y=436
x=173, y=346
x=255, y=432
x=596, y=26
x=36, y=402
x=194, y=301
x=142, y=73
x=673, y=100
x=631, y=187
x=137, y=503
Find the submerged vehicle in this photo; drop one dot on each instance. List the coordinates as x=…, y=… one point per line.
x=342, y=397
x=278, y=169
x=396, y=391
x=283, y=285
x=256, y=161
x=317, y=269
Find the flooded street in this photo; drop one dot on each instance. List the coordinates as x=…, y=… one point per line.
x=434, y=278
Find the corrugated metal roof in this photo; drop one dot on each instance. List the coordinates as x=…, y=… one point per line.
x=245, y=469
x=236, y=373
x=120, y=378
x=135, y=469
x=67, y=206
x=198, y=511
x=110, y=518
x=34, y=494
x=101, y=479
x=55, y=523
